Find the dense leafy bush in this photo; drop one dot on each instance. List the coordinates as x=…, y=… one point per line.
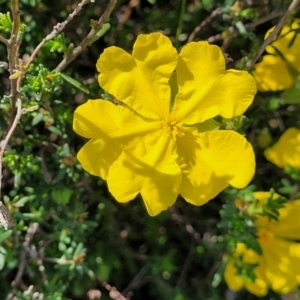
x=70, y=239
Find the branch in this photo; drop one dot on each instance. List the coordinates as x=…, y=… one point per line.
x=273, y=35
x=213, y=14
x=4, y=41
x=31, y=231
x=87, y=40
x=57, y=29
x=113, y=292
x=19, y=113
x=232, y=30
x=13, y=52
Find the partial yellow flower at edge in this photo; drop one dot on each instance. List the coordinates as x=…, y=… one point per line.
x=286, y=152
x=148, y=143
x=279, y=265
x=235, y=282
x=272, y=74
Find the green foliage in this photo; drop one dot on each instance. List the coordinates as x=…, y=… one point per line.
x=58, y=44
x=5, y=22
x=68, y=232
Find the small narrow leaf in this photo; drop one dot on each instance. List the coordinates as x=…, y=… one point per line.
x=100, y=33
x=75, y=83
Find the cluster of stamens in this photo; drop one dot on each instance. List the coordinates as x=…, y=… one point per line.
x=170, y=123
x=265, y=236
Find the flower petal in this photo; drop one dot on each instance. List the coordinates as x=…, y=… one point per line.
x=97, y=155
x=206, y=89
x=272, y=74
x=235, y=282
x=140, y=80
x=213, y=160
x=288, y=224
x=149, y=168
x=282, y=262
x=286, y=152
x=283, y=43
x=103, y=119
x=259, y=287
x=199, y=181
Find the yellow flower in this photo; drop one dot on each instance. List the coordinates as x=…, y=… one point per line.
x=149, y=144
x=286, y=152
x=274, y=72
x=278, y=268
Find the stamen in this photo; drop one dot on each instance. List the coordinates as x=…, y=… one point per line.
x=177, y=130
x=265, y=236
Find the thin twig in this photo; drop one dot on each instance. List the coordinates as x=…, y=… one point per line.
x=31, y=231
x=213, y=14
x=4, y=41
x=13, y=53
x=113, y=292
x=273, y=35
x=57, y=29
x=231, y=31
x=186, y=267
x=4, y=144
x=5, y=218
x=87, y=40
x=3, y=64
x=135, y=281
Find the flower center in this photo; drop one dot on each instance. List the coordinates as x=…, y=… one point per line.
x=265, y=237
x=172, y=126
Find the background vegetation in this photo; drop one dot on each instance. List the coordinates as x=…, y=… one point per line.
x=70, y=239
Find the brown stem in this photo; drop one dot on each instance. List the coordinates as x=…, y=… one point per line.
x=19, y=113
x=273, y=35
x=31, y=231
x=4, y=40
x=87, y=40
x=57, y=29
x=13, y=53
x=233, y=31
x=214, y=13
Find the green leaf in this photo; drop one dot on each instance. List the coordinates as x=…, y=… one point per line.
x=55, y=130
x=4, y=235
x=58, y=44
x=5, y=22
x=241, y=27
x=75, y=83
x=62, y=196
x=100, y=33
x=2, y=257
x=208, y=125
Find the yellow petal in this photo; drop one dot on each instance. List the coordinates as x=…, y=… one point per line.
x=282, y=265
x=148, y=167
x=235, y=282
x=260, y=285
x=288, y=224
x=103, y=119
x=263, y=221
x=206, y=89
x=230, y=155
x=283, y=43
x=97, y=155
x=199, y=181
x=140, y=80
x=272, y=74
x=211, y=161
x=286, y=152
